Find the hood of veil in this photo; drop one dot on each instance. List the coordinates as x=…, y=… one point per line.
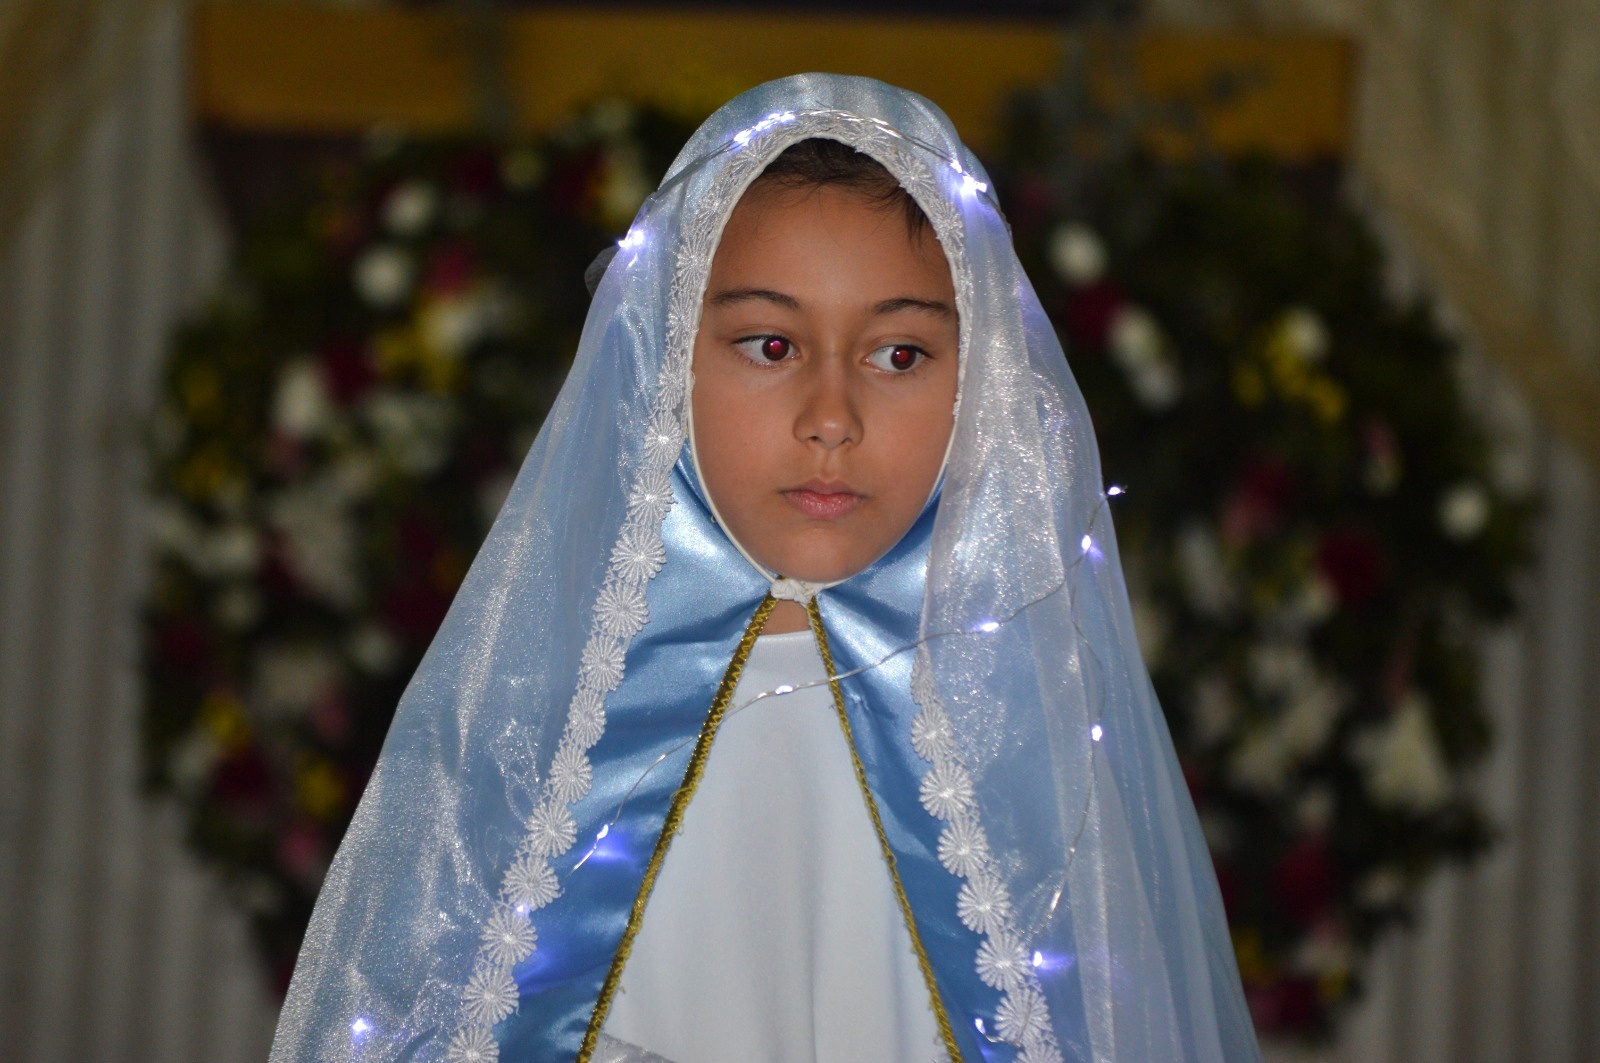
x=996, y=640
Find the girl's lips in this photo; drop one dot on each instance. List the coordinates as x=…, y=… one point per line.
x=822, y=505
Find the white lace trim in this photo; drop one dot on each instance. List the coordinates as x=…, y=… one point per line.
x=620, y=612
x=983, y=904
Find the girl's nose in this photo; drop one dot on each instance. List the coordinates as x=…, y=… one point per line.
x=829, y=413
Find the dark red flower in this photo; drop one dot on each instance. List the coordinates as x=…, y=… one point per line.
x=414, y=611
x=347, y=370
x=330, y=717
x=1304, y=881
x=183, y=643
x=475, y=173
x=1289, y=1005
x=303, y=853
x=450, y=269
x=242, y=782
x=1089, y=312
x=1260, y=499
x=1352, y=562
x=419, y=540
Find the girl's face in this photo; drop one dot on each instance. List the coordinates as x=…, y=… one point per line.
x=824, y=378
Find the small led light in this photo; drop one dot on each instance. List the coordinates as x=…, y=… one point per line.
x=360, y=1028
x=978, y=1022
x=784, y=689
x=633, y=239
x=1087, y=543
x=1096, y=732
x=1114, y=490
x=1038, y=959
x=605, y=828
x=989, y=627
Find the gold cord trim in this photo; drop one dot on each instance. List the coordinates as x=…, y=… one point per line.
x=946, y=1032
x=680, y=802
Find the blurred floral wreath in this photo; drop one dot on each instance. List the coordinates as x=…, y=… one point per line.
x=340, y=425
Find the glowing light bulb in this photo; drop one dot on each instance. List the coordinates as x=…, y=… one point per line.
x=1114, y=490
x=360, y=1028
x=784, y=689
x=1038, y=959
x=978, y=1022
x=633, y=239
x=1096, y=732
x=605, y=828
x=1087, y=543
x=989, y=627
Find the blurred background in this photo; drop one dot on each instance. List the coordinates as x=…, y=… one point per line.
x=285, y=289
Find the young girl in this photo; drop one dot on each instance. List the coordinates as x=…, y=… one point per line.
x=792, y=709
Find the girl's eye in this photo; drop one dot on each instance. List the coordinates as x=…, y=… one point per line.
x=766, y=348
x=897, y=357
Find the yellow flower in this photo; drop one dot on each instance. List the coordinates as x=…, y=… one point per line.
x=318, y=789
x=206, y=472
x=223, y=718
x=1254, y=966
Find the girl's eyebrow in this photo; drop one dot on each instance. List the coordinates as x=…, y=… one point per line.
x=906, y=302
x=730, y=296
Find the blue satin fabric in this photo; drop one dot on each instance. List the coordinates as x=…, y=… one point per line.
x=700, y=605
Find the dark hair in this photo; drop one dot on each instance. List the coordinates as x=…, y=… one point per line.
x=821, y=163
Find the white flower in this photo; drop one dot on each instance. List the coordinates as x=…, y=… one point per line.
x=319, y=538
x=1463, y=511
x=491, y=994
x=412, y=431
x=1405, y=768
x=551, y=829
x=638, y=554
x=373, y=649
x=663, y=439
x=1040, y=1050
x=530, y=883
x=1304, y=334
x=1280, y=667
x=290, y=679
x=383, y=275
x=1076, y=254
x=570, y=774
x=301, y=407
x=621, y=609
x=1309, y=715
x=1135, y=341
x=1022, y=1015
x=946, y=790
x=651, y=497
x=1204, y=572
x=238, y=607
x=603, y=660
x=1381, y=888
x=474, y=1044
x=1157, y=386
x=962, y=846
x=983, y=904
x=1314, y=811
x=587, y=721
x=451, y=326
x=509, y=938
x=1262, y=762
x=410, y=208
x=931, y=734
x=233, y=550
x=1003, y=961
x=1215, y=709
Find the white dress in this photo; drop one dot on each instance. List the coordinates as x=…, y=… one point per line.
x=773, y=932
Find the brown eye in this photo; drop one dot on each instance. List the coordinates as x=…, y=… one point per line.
x=897, y=357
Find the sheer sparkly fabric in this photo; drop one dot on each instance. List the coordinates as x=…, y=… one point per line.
x=1004, y=722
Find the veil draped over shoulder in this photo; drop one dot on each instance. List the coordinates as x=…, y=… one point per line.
x=1000, y=714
